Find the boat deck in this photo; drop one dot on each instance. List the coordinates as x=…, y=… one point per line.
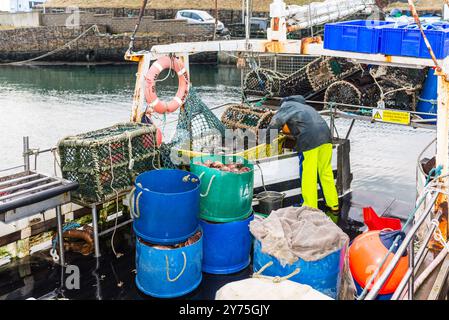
x=36, y=276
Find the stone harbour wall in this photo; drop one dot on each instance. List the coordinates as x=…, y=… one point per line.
x=126, y=24
x=27, y=43
x=109, y=44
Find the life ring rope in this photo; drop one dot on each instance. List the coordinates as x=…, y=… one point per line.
x=163, y=63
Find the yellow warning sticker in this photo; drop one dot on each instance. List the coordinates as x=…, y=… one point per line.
x=391, y=116
x=377, y=116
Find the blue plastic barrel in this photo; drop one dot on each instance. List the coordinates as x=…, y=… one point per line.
x=168, y=273
x=227, y=246
x=166, y=206
x=323, y=275
x=428, y=99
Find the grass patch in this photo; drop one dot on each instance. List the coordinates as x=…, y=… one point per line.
x=6, y=27
x=258, y=5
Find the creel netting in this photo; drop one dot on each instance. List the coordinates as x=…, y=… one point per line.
x=107, y=159
x=198, y=129
x=308, y=80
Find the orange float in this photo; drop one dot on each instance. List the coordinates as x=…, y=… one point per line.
x=172, y=63
x=365, y=255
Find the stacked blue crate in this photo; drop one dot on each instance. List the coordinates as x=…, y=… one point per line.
x=388, y=38
x=407, y=40
x=357, y=36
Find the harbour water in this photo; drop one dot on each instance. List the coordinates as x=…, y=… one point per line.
x=48, y=103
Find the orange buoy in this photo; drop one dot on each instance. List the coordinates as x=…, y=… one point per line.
x=172, y=63
x=367, y=252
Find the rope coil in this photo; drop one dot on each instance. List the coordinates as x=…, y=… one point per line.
x=167, y=263
x=276, y=279
x=208, y=187
x=53, y=251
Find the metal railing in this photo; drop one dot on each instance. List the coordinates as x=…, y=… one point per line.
x=27, y=154
x=407, y=244
x=351, y=111
x=406, y=288
x=283, y=63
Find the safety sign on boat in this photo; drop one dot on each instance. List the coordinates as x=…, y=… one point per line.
x=391, y=116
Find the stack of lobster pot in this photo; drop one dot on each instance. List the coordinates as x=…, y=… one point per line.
x=169, y=244
x=226, y=210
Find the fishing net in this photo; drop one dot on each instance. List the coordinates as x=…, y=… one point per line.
x=268, y=288
x=198, y=129
x=106, y=161
x=308, y=80
x=200, y=132
x=290, y=234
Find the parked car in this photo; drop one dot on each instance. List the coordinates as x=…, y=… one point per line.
x=200, y=16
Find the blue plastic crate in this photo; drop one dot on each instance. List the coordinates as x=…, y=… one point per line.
x=357, y=36
x=407, y=40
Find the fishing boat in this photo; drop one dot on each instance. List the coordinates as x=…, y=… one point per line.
x=109, y=274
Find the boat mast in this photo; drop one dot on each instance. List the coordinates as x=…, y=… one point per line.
x=247, y=23
x=443, y=125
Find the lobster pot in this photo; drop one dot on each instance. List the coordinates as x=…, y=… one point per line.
x=225, y=196
x=309, y=80
x=264, y=82
x=168, y=273
x=246, y=118
x=323, y=275
x=108, y=160
x=227, y=246
x=165, y=206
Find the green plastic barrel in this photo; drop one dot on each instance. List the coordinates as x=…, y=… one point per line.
x=225, y=196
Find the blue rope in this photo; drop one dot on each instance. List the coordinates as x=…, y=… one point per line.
x=68, y=226
x=434, y=173
x=260, y=103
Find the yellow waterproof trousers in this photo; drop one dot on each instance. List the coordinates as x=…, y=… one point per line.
x=314, y=163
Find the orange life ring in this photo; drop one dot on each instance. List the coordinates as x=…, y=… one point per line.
x=156, y=68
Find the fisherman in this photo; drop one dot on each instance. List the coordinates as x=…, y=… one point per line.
x=314, y=147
